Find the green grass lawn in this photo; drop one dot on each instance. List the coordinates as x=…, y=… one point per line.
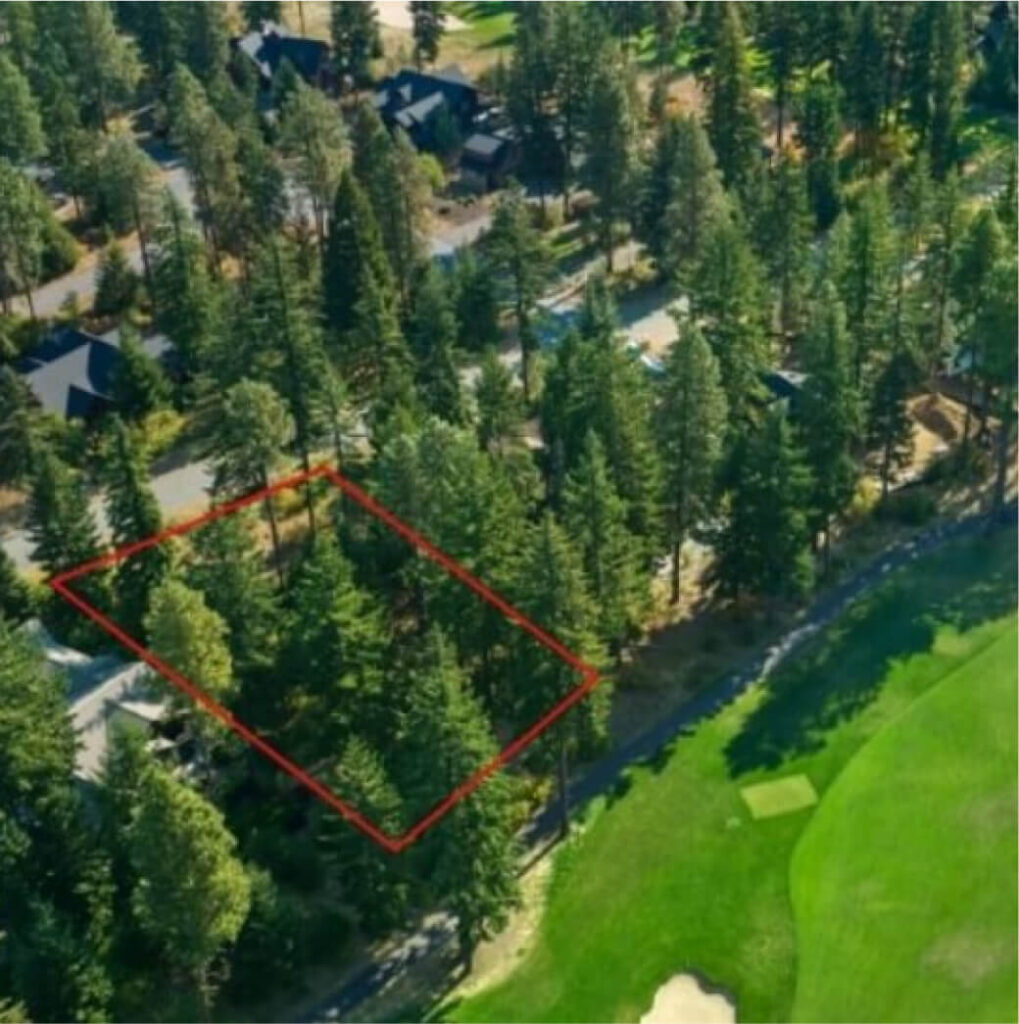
x=672, y=872
x=907, y=873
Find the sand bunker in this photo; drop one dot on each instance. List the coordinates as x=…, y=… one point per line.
x=682, y=1000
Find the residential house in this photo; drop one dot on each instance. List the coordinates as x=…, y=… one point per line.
x=71, y=372
x=104, y=694
x=487, y=159
x=417, y=102
x=271, y=44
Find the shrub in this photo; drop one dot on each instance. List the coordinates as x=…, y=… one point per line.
x=912, y=506
x=116, y=283
x=60, y=252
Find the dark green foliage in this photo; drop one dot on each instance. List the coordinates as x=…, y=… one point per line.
x=691, y=433
x=133, y=514
x=518, y=252
x=432, y=335
x=116, y=283
x=372, y=879
x=15, y=599
x=764, y=546
x=732, y=120
x=428, y=25
x=19, y=429
x=334, y=653
x=500, y=406
x=729, y=300
x=477, y=307
x=890, y=425
x=864, y=84
x=354, y=28
x=139, y=385
x=595, y=517
x=228, y=571
x=782, y=36
x=473, y=851
x=830, y=412
x=62, y=528
x=817, y=131
x=255, y=12
x=21, y=134
x=354, y=248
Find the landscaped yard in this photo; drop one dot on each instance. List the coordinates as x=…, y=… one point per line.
x=679, y=875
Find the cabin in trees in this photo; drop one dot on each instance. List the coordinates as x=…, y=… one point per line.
x=488, y=159
x=268, y=46
x=104, y=694
x=71, y=372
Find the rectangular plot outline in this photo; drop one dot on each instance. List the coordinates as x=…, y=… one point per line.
x=392, y=844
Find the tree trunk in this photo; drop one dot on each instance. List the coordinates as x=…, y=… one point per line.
x=677, y=548
x=564, y=804
x=274, y=531
x=146, y=266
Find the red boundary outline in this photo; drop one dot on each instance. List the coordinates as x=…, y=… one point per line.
x=393, y=844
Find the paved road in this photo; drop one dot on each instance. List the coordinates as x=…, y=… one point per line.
x=175, y=491
x=604, y=774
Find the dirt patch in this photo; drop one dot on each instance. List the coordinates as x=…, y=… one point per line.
x=683, y=1000
x=968, y=957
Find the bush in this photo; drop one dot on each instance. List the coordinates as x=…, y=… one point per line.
x=912, y=506
x=60, y=252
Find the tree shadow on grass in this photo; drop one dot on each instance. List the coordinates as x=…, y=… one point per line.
x=845, y=667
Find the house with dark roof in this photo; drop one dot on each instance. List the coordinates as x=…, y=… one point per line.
x=268, y=46
x=412, y=100
x=487, y=159
x=71, y=372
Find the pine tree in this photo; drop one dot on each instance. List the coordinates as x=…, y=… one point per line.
x=191, y=638
x=133, y=514
x=262, y=183
x=477, y=308
x=427, y=26
x=431, y=332
x=947, y=58
x=250, y=429
x=937, y=271
x=997, y=323
x=782, y=36
x=867, y=282
x=817, y=131
x=63, y=530
x=19, y=428
x=313, y=136
x=890, y=425
x=354, y=29
x=551, y=589
x=21, y=235
x=334, y=649
x=692, y=198
x=830, y=413
x=764, y=544
x=691, y=431
x=732, y=120
x=193, y=894
x=473, y=851
x=595, y=517
x=257, y=11
x=612, y=129
x=518, y=251
x=228, y=571
x=500, y=408
x=21, y=134
x=116, y=283
x=354, y=244
x=785, y=237
x=864, y=85
x=188, y=302
x=206, y=41
x=372, y=881
x=139, y=385
x=729, y=304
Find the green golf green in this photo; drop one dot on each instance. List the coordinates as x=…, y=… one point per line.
x=672, y=873
x=904, y=883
